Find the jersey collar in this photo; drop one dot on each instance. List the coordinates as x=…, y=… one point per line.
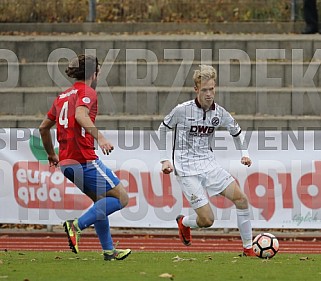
x=199, y=105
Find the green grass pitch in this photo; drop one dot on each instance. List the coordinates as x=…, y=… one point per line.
x=150, y=266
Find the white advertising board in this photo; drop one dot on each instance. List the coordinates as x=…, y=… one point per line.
x=283, y=185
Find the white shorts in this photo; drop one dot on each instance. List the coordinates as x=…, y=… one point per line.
x=195, y=187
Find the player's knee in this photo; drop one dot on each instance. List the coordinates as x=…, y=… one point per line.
x=120, y=193
x=241, y=203
x=124, y=199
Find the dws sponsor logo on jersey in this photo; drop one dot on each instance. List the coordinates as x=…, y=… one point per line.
x=201, y=131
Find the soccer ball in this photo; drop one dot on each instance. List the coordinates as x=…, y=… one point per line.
x=265, y=245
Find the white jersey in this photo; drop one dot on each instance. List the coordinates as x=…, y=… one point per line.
x=193, y=137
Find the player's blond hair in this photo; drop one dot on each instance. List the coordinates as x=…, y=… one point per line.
x=204, y=73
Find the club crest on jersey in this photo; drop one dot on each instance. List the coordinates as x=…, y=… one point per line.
x=215, y=121
x=86, y=100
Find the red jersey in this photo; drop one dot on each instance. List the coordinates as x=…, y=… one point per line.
x=74, y=142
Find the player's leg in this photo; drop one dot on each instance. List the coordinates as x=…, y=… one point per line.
x=109, y=196
x=204, y=217
x=235, y=194
x=99, y=211
x=197, y=198
x=98, y=215
x=75, y=174
x=219, y=181
x=105, y=189
x=105, y=238
x=103, y=231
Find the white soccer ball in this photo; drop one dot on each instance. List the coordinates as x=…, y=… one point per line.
x=265, y=245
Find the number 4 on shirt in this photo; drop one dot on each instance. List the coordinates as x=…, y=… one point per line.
x=63, y=116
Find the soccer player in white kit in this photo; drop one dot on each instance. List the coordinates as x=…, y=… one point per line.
x=193, y=159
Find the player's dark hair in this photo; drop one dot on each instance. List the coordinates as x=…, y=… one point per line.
x=82, y=67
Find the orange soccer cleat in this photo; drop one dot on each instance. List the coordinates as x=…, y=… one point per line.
x=184, y=231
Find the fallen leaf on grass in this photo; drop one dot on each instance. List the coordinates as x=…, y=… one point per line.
x=305, y=259
x=166, y=275
x=177, y=259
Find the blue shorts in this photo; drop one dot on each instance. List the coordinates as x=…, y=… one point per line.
x=91, y=177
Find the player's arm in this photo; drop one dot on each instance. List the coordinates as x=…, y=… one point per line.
x=167, y=166
x=235, y=130
x=83, y=119
x=44, y=130
x=170, y=122
x=240, y=144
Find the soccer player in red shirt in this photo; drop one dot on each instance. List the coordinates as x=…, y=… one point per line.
x=74, y=112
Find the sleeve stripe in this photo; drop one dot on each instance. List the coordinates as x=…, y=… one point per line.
x=167, y=126
x=237, y=134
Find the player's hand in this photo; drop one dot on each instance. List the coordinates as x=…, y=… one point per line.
x=167, y=167
x=246, y=161
x=53, y=160
x=106, y=146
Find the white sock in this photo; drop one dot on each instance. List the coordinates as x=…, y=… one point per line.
x=190, y=221
x=245, y=227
